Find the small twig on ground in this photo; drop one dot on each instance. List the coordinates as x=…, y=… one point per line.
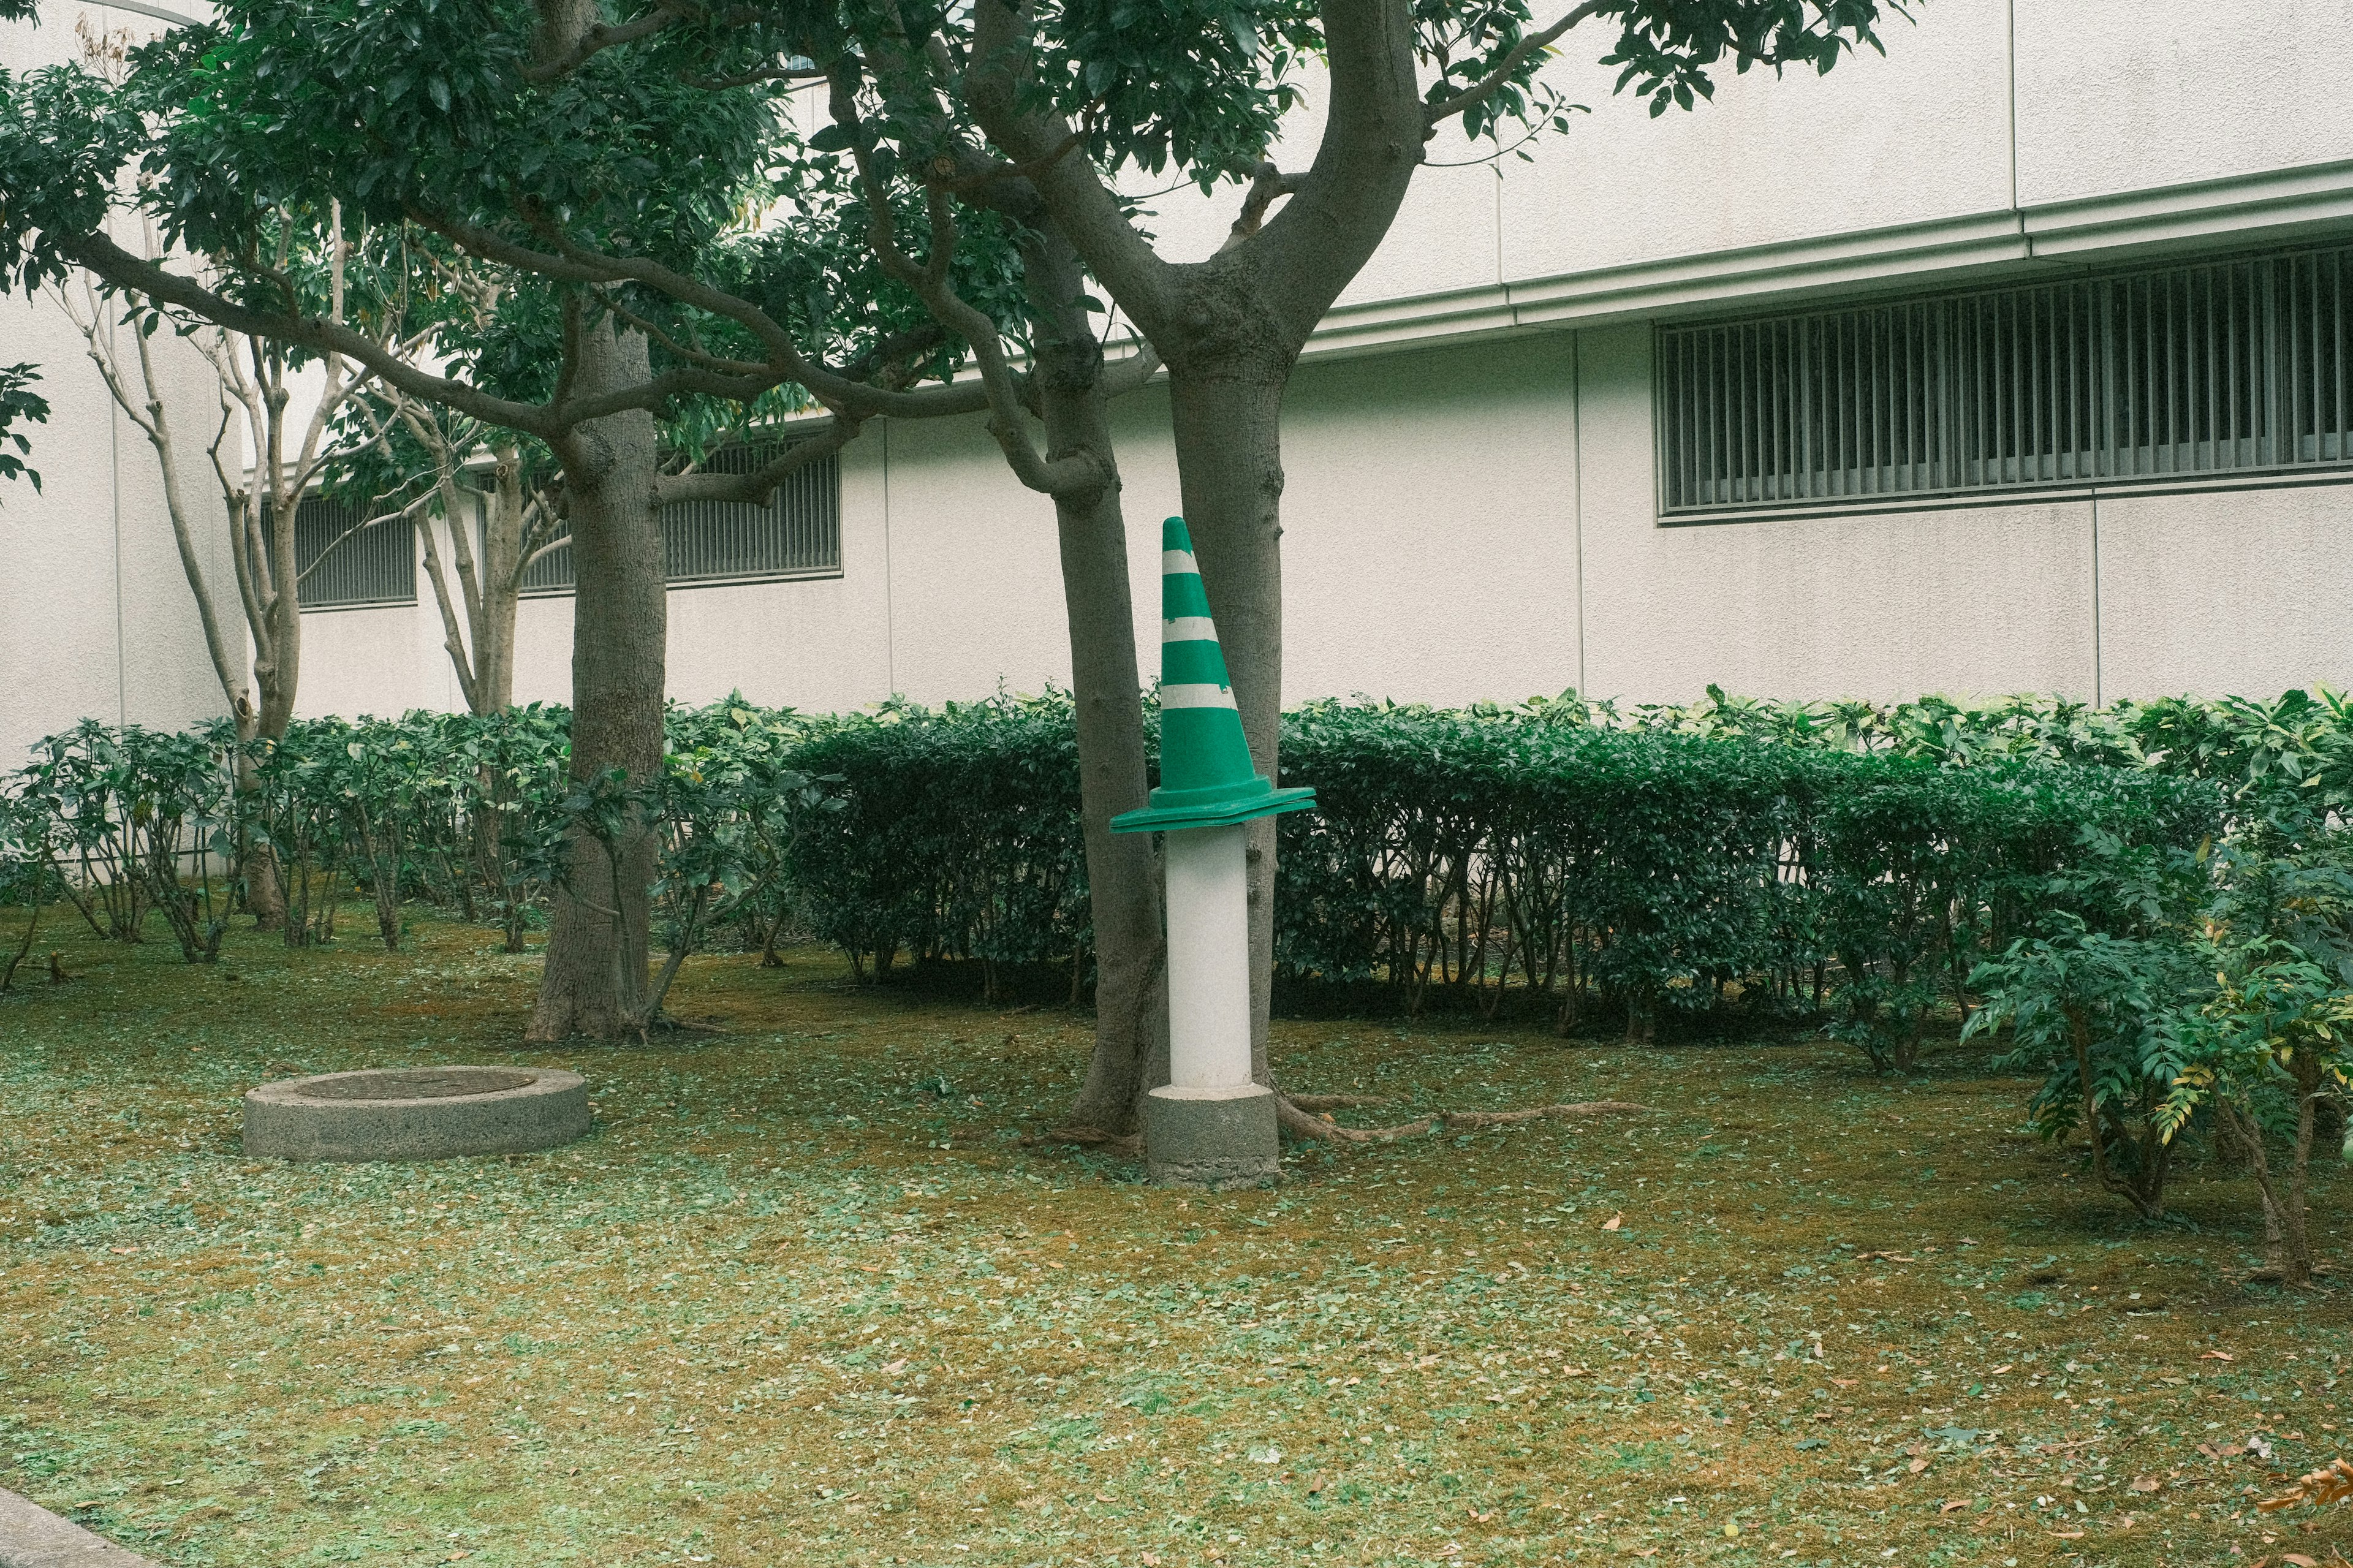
x=1297, y=1113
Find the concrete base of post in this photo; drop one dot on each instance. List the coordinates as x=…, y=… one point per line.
x=1214, y=1138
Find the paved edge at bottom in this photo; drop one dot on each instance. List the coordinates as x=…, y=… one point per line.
x=33, y=1537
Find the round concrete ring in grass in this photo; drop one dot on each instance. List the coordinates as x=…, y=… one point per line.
x=415, y=1113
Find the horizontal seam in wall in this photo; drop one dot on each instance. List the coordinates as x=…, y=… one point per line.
x=683, y=585
x=2021, y=496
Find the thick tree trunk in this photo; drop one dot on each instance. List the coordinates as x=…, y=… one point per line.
x=595, y=982
x=1229, y=469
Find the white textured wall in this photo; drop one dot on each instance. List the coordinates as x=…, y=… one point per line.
x=2247, y=592
x=2121, y=95
x=1974, y=601
x=1480, y=523
x=1430, y=524
x=1922, y=134
x=96, y=618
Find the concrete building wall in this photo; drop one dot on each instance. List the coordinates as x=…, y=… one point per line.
x=1479, y=522
x=2125, y=95
x=1971, y=601
x=1470, y=509
x=96, y=617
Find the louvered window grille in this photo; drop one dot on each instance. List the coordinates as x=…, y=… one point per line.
x=797, y=534
x=341, y=565
x=2221, y=367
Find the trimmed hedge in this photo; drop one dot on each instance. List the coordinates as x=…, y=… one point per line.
x=1791, y=858
x=1472, y=853
x=958, y=836
x=1652, y=871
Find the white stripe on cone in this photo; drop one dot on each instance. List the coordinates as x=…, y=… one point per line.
x=1189, y=629
x=1201, y=696
x=1175, y=562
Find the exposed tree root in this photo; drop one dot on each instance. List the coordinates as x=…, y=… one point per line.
x=1087, y=1137
x=1298, y=1114
x=1316, y=1104
x=1568, y=1112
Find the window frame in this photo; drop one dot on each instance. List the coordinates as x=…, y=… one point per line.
x=824, y=474
x=2096, y=380
x=382, y=530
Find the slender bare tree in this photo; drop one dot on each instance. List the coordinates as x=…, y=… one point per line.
x=254, y=639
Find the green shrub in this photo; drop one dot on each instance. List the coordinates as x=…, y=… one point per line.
x=958, y=836
x=1845, y=860
x=1648, y=870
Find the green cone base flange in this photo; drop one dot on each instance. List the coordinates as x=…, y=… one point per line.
x=1242, y=805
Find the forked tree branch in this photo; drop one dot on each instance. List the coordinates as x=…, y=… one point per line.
x=1088, y=212
x=929, y=281
x=1519, y=54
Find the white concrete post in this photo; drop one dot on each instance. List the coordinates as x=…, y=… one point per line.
x=1208, y=960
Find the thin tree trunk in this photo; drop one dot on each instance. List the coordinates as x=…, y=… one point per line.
x=1124, y=886
x=1122, y=868
x=1229, y=469
x=595, y=982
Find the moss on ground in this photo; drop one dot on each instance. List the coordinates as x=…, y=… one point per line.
x=804, y=1298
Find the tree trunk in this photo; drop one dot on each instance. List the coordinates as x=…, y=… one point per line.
x=503, y=569
x=1131, y=1043
x=1229, y=469
x=257, y=868
x=599, y=932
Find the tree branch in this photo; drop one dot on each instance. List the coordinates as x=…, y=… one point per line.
x=1267, y=185
x=1087, y=211
x=1479, y=91
x=118, y=267
x=929, y=281
x=757, y=486
x=558, y=59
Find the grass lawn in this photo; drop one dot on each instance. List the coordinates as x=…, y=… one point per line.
x=804, y=1298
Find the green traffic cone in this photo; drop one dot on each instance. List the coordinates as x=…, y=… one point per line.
x=1206, y=776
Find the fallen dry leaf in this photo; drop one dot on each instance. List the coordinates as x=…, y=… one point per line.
x=2078, y=1535
x=2299, y=1560
x=1955, y=1507
x=1613, y=1222
x=1917, y=1466
x=2006, y=1366
x=2217, y=1355
x=1843, y=1381
x=899, y=1365
x=2148, y=1484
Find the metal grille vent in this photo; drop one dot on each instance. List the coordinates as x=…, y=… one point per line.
x=2216, y=368
x=797, y=534
x=342, y=565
